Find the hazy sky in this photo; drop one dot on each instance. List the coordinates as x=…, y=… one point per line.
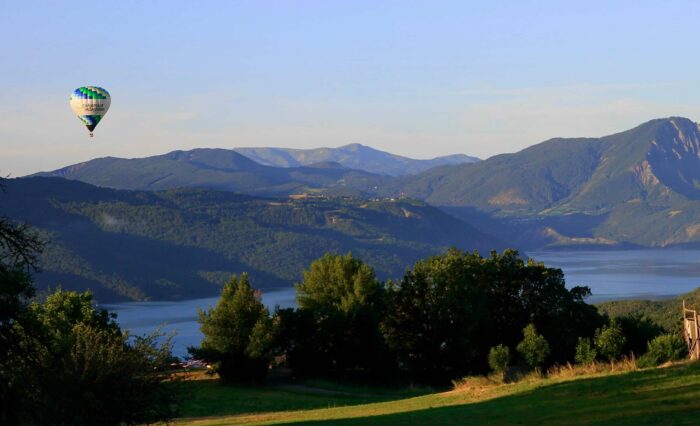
x=414, y=78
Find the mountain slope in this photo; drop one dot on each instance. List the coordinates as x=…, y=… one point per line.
x=207, y=168
x=641, y=186
x=651, y=161
x=185, y=243
x=525, y=182
x=353, y=156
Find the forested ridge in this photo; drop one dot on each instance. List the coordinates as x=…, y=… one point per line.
x=185, y=243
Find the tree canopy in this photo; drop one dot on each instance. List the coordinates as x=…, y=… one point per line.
x=341, y=303
x=237, y=333
x=448, y=310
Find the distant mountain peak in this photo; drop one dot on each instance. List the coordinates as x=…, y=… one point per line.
x=356, y=146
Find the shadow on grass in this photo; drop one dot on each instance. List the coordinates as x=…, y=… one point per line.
x=652, y=397
x=200, y=398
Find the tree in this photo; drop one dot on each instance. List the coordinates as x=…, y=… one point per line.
x=237, y=334
x=534, y=347
x=15, y=355
x=62, y=361
x=638, y=331
x=437, y=313
x=343, y=300
x=20, y=247
x=499, y=357
x=523, y=292
x=610, y=341
x=296, y=337
x=448, y=311
x=88, y=372
x=585, y=351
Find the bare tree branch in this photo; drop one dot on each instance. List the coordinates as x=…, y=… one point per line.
x=20, y=245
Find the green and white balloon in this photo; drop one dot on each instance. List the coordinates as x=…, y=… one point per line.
x=90, y=104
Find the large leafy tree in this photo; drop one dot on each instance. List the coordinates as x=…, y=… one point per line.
x=87, y=371
x=438, y=311
x=238, y=333
x=450, y=309
x=519, y=292
x=337, y=324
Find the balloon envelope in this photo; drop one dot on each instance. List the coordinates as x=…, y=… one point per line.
x=90, y=104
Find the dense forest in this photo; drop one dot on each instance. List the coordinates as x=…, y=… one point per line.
x=450, y=315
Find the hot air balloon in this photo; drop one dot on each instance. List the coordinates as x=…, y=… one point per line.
x=90, y=104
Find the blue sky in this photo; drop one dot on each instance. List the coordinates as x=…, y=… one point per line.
x=419, y=79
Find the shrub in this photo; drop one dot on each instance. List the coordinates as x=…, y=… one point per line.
x=638, y=331
x=499, y=357
x=534, y=347
x=664, y=348
x=585, y=351
x=609, y=341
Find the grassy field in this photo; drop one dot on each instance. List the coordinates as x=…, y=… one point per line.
x=668, y=395
x=210, y=398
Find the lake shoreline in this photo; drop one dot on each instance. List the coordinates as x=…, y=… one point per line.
x=612, y=276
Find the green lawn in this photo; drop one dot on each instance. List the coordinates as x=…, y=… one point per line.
x=211, y=398
x=657, y=396
x=360, y=387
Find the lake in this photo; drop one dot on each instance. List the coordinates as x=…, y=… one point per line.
x=611, y=275
x=627, y=274
x=181, y=317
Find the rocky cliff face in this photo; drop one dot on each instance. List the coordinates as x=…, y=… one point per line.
x=674, y=156
x=640, y=186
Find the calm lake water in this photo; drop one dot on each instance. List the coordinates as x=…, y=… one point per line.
x=181, y=317
x=629, y=274
x=610, y=275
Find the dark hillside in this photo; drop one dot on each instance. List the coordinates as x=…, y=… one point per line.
x=185, y=243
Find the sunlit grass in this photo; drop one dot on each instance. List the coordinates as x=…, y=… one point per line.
x=600, y=393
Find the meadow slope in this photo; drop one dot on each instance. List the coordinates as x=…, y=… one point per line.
x=668, y=395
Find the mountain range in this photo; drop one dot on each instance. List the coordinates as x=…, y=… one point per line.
x=639, y=187
x=219, y=169
x=185, y=243
x=226, y=213
x=258, y=171
x=353, y=156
